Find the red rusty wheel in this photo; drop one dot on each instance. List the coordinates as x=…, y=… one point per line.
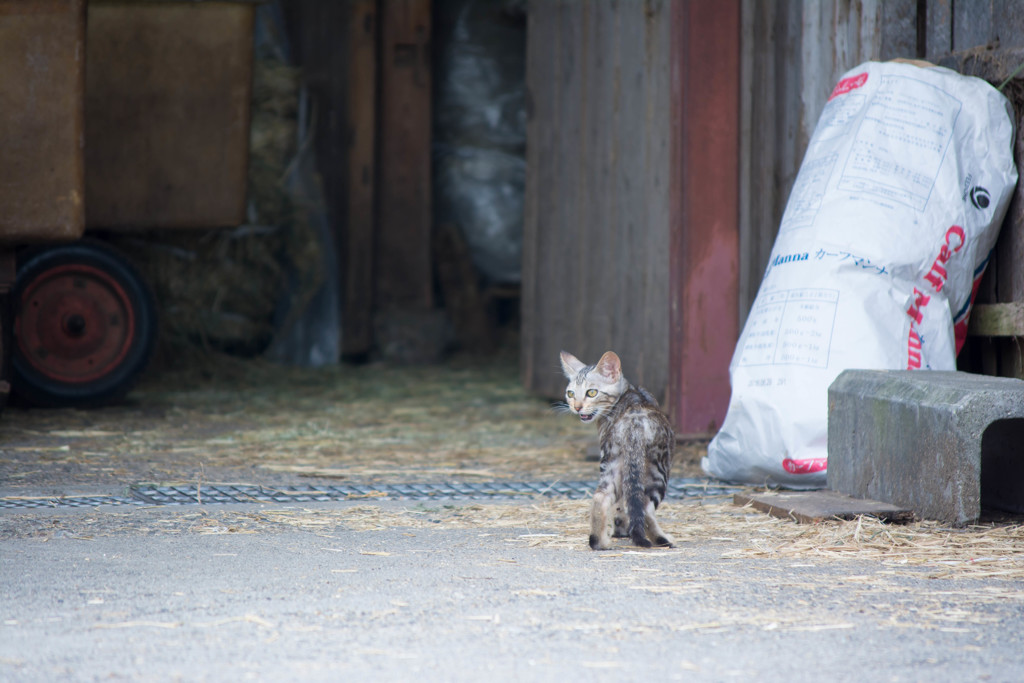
x=84, y=326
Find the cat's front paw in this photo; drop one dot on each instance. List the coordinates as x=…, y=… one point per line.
x=598, y=543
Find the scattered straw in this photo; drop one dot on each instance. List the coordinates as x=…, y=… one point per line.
x=994, y=551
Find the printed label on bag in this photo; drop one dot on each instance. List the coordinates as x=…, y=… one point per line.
x=790, y=327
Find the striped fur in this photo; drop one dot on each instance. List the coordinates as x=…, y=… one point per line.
x=636, y=450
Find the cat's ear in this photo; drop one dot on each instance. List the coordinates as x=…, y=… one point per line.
x=610, y=366
x=571, y=365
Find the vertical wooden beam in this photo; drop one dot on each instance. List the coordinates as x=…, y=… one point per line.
x=652, y=371
x=356, y=245
x=538, y=61
x=552, y=305
x=704, y=210
x=938, y=29
x=402, y=270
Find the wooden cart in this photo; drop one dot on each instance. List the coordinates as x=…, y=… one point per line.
x=136, y=118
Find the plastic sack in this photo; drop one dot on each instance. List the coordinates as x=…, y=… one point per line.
x=885, y=236
x=480, y=130
x=481, y=189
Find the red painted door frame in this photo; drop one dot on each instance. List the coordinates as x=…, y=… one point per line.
x=704, y=210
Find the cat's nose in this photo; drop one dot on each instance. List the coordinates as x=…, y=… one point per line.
x=577, y=406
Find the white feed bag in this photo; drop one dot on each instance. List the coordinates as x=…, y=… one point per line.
x=887, y=231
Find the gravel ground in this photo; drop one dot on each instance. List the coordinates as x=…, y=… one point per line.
x=199, y=594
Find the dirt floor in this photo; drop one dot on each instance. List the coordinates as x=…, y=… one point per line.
x=228, y=421
x=231, y=421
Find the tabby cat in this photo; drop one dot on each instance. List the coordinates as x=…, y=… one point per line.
x=636, y=449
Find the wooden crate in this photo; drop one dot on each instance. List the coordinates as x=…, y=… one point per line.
x=167, y=113
x=41, y=144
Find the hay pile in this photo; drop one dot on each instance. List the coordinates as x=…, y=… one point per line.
x=229, y=289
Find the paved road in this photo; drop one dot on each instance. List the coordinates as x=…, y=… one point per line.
x=350, y=591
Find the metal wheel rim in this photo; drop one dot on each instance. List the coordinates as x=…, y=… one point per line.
x=76, y=324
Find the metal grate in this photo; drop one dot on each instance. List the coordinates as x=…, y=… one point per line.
x=37, y=502
x=150, y=494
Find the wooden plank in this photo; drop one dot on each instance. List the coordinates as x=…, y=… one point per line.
x=355, y=240
x=402, y=270
x=897, y=26
x=752, y=58
x=549, y=70
x=556, y=50
x=972, y=24
x=589, y=231
x=998, y=320
x=596, y=223
x=463, y=299
x=538, y=63
x=564, y=310
x=703, y=280
x=636, y=216
x=570, y=240
x=626, y=214
x=938, y=29
x=595, y=234
x=810, y=507
x=653, y=304
x=1008, y=20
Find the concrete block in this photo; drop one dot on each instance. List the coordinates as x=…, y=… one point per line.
x=941, y=443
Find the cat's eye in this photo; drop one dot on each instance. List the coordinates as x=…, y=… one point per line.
x=591, y=393
x=571, y=394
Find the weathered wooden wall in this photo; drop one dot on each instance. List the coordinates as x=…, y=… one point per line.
x=596, y=232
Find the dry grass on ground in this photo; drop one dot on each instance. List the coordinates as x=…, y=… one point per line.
x=468, y=420
x=991, y=551
x=253, y=422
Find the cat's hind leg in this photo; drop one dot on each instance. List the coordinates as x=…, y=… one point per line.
x=654, y=532
x=599, y=537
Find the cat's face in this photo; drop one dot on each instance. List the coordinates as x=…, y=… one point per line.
x=592, y=389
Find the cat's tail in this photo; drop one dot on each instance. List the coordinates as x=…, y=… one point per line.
x=636, y=496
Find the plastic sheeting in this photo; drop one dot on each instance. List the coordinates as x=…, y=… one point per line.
x=307, y=325
x=480, y=129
